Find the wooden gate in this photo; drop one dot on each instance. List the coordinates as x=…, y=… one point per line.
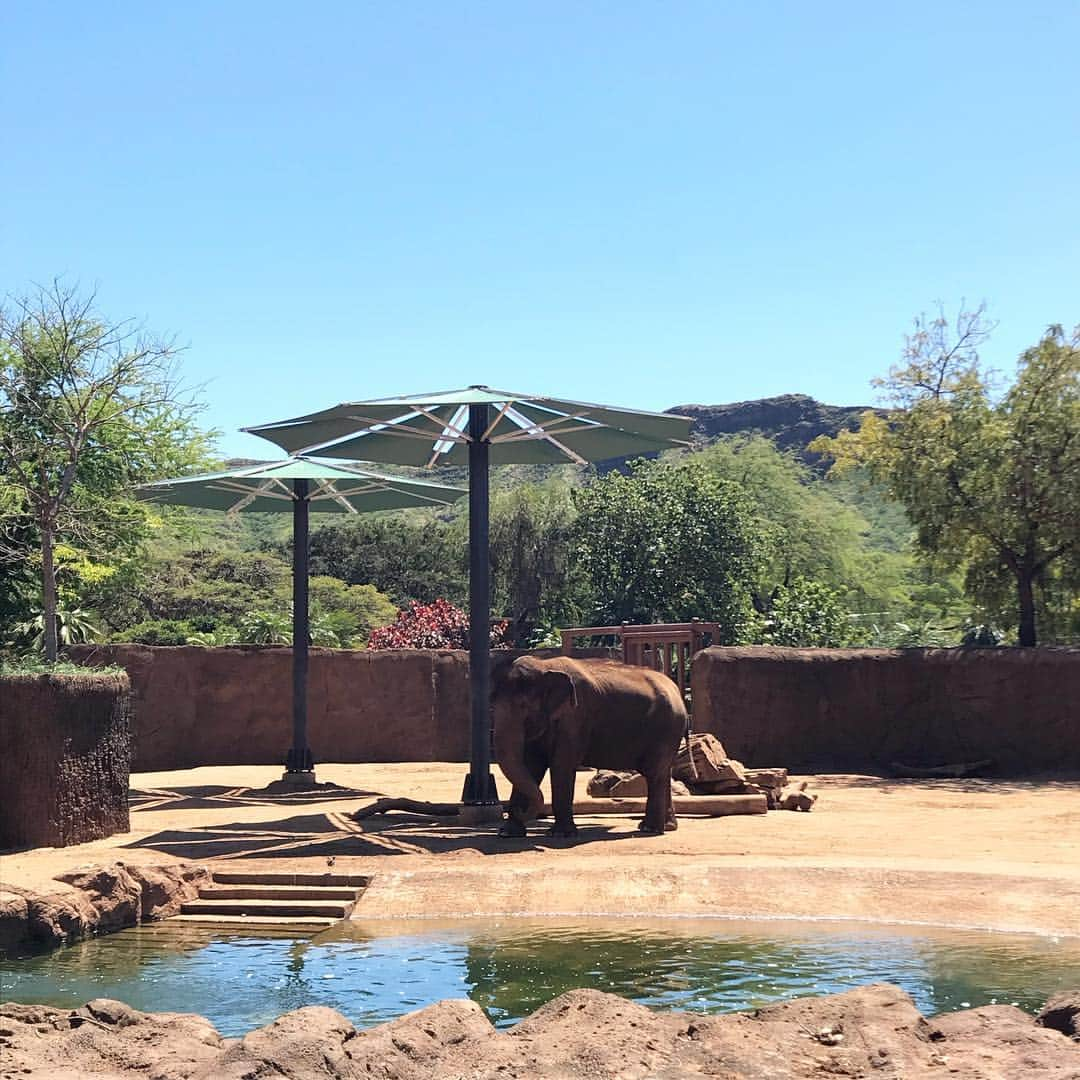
x=666, y=647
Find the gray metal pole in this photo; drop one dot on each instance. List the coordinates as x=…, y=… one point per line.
x=479, y=784
x=300, y=759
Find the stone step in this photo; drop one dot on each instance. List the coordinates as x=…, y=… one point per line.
x=279, y=892
x=230, y=877
x=296, y=922
x=332, y=909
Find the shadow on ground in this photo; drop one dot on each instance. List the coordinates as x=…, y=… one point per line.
x=968, y=785
x=212, y=796
x=332, y=834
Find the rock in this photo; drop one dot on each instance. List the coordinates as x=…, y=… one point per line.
x=104, y=1038
x=449, y=1038
x=114, y=895
x=716, y=787
x=56, y=917
x=767, y=778
x=611, y=784
x=96, y=900
x=309, y=1042
x=1062, y=1013
x=165, y=888
x=108, y=1011
x=703, y=758
x=797, y=800
x=870, y=1031
x=13, y=917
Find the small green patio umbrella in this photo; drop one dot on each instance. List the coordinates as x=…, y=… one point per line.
x=298, y=485
x=481, y=426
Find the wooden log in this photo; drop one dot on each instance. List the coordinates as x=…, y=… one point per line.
x=410, y=806
x=689, y=806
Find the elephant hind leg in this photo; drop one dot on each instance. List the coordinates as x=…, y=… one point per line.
x=659, y=812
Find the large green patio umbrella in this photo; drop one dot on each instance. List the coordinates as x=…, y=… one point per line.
x=481, y=426
x=298, y=485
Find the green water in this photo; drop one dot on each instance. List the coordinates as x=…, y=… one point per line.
x=373, y=972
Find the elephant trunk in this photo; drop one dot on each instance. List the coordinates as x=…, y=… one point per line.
x=526, y=800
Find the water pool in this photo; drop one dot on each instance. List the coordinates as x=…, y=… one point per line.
x=375, y=971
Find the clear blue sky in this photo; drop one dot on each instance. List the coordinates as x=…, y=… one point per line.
x=639, y=203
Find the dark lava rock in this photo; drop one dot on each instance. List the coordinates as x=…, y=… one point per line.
x=1062, y=1013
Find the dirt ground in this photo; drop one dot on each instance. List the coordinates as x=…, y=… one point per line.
x=977, y=853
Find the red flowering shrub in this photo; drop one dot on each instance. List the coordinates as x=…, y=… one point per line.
x=439, y=625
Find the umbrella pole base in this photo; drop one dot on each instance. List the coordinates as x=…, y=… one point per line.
x=487, y=797
x=300, y=779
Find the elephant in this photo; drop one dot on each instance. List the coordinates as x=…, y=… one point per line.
x=562, y=713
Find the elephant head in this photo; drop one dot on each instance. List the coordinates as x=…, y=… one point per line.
x=524, y=704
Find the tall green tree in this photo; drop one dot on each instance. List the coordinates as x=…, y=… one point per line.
x=536, y=577
x=991, y=481
x=670, y=542
x=407, y=556
x=819, y=536
x=88, y=409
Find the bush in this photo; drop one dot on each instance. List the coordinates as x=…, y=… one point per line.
x=808, y=614
x=157, y=632
x=438, y=625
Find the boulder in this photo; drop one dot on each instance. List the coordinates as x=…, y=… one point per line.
x=14, y=911
x=308, y=1042
x=767, y=778
x=114, y=895
x=1062, y=1013
x=165, y=888
x=448, y=1039
x=611, y=784
x=871, y=1031
x=799, y=799
x=104, y=1038
x=701, y=758
x=96, y=900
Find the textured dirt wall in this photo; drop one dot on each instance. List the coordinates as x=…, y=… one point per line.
x=65, y=754
x=837, y=709
x=233, y=706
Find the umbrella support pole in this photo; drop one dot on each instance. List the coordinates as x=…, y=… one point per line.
x=480, y=797
x=299, y=764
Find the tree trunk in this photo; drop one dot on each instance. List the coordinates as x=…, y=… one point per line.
x=48, y=595
x=1026, y=595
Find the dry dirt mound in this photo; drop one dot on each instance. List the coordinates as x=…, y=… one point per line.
x=874, y=1031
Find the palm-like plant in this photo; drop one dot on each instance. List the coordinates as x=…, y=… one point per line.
x=73, y=626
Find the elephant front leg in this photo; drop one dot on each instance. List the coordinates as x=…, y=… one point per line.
x=522, y=807
x=563, y=775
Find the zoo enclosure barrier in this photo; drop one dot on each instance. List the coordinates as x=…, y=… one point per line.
x=666, y=647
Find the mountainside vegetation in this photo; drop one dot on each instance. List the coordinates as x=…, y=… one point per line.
x=948, y=517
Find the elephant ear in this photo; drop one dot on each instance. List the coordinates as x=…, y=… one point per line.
x=559, y=688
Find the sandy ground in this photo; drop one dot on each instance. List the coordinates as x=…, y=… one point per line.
x=978, y=853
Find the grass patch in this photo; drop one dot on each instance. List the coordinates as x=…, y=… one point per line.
x=37, y=665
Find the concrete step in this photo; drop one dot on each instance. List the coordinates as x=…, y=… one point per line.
x=296, y=922
x=353, y=881
x=332, y=909
x=279, y=892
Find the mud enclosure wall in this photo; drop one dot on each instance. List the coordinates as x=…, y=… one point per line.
x=65, y=754
x=233, y=706
x=862, y=709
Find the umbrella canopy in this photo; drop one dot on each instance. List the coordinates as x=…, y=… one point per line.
x=481, y=426
x=268, y=487
x=298, y=485
x=433, y=429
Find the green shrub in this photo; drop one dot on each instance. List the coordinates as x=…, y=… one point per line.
x=157, y=632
